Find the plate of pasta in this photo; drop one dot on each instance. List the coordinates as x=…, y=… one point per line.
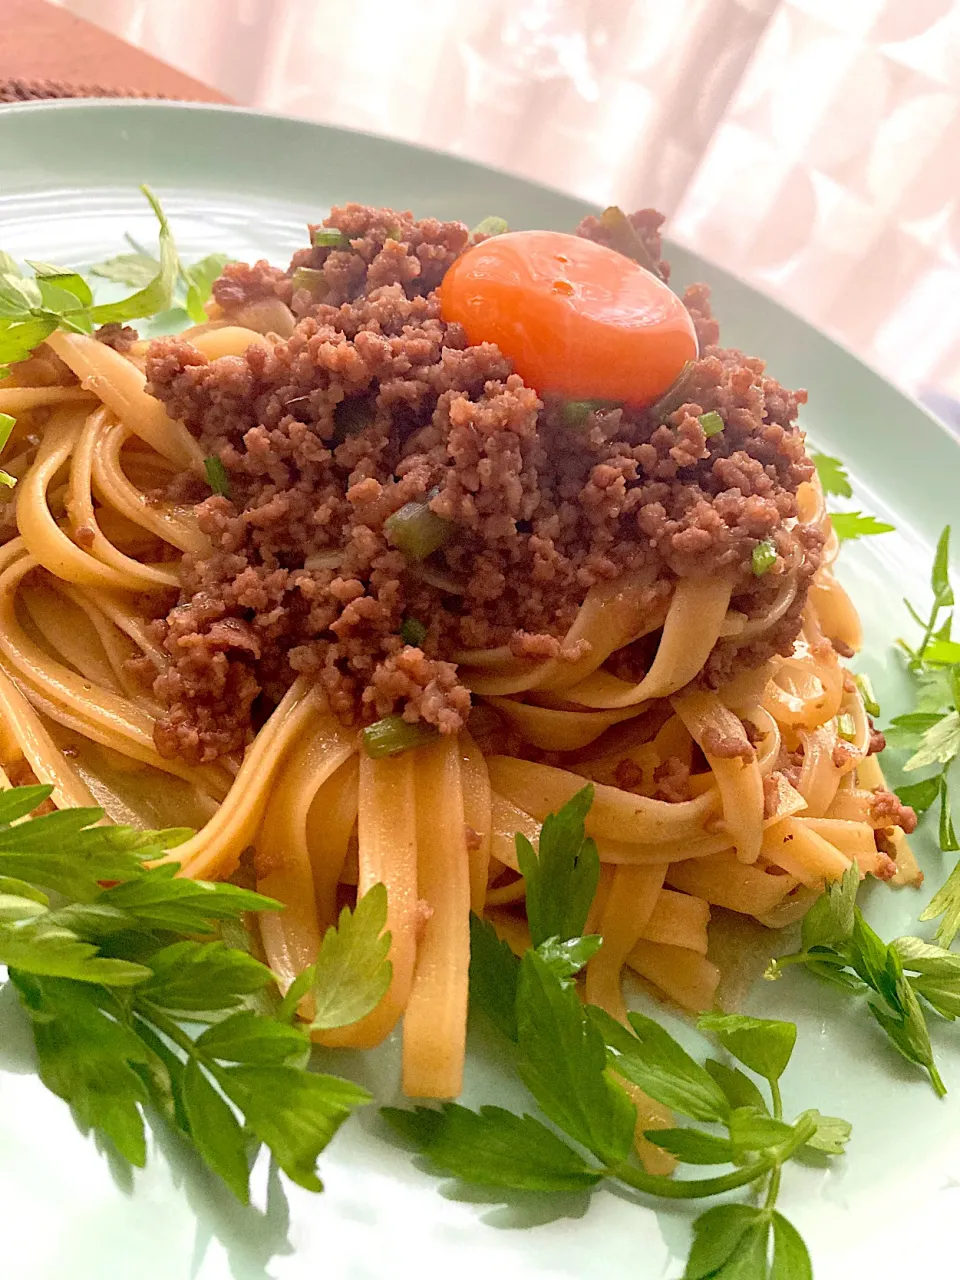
x=474, y=793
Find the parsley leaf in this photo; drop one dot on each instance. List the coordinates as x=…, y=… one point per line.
x=791, y=1259
x=830, y=920
x=940, y=744
x=652, y=1059
x=494, y=973
x=834, y=944
x=729, y=1242
x=202, y=979
x=848, y=525
x=832, y=475
x=561, y=878
x=494, y=1148
x=562, y=1060
x=199, y=281
x=294, y=1113
x=352, y=972
x=566, y=959
x=762, y=1044
x=157, y=293
x=105, y=979
x=216, y=1133
x=693, y=1146
x=739, y=1089
x=88, y=1056
x=136, y=269
x=832, y=1134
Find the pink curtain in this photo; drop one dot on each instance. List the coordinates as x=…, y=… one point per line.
x=810, y=146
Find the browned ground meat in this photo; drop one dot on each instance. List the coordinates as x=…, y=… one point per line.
x=374, y=402
x=119, y=336
x=888, y=810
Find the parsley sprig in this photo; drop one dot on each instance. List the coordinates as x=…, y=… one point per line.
x=847, y=525
x=569, y=1056
x=901, y=977
x=54, y=297
x=931, y=731
x=136, y=1001
x=191, y=287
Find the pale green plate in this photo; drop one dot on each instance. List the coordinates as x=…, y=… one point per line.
x=246, y=184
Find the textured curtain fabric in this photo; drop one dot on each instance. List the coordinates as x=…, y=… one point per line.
x=810, y=146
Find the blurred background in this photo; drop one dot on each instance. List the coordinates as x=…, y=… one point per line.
x=810, y=146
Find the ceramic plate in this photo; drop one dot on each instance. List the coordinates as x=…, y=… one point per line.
x=246, y=184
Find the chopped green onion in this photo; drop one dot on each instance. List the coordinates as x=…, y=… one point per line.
x=576, y=412
x=712, y=424
x=491, y=226
x=313, y=280
x=217, y=476
x=866, y=693
x=413, y=632
x=416, y=531
x=625, y=239
x=846, y=727
x=329, y=238
x=7, y=480
x=674, y=396
x=393, y=734
x=6, y=427
x=764, y=557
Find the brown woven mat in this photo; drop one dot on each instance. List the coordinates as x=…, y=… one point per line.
x=36, y=90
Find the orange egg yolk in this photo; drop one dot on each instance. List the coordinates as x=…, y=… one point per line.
x=576, y=318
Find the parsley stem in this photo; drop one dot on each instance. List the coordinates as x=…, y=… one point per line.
x=655, y=1184
x=150, y=1012
x=773, y=1186
x=801, y=957
x=936, y=1080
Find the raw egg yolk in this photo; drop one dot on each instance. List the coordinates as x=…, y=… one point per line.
x=576, y=318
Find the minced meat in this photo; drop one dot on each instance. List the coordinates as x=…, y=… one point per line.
x=374, y=402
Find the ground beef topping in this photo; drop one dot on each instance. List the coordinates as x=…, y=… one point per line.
x=373, y=402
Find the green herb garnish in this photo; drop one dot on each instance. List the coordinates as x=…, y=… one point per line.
x=865, y=686
x=217, y=477
x=625, y=238
x=832, y=474
x=413, y=632
x=569, y=1057
x=108, y=980
x=846, y=727
x=32, y=307
x=392, y=735
x=931, y=732
x=417, y=531
x=329, y=238
x=352, y=973
x=576, y=412
x=7, y=423
x=764, y=558
x=313, y=280
x=848, y=525
x=711, y=423
x=838, y=946
x=490, y=226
